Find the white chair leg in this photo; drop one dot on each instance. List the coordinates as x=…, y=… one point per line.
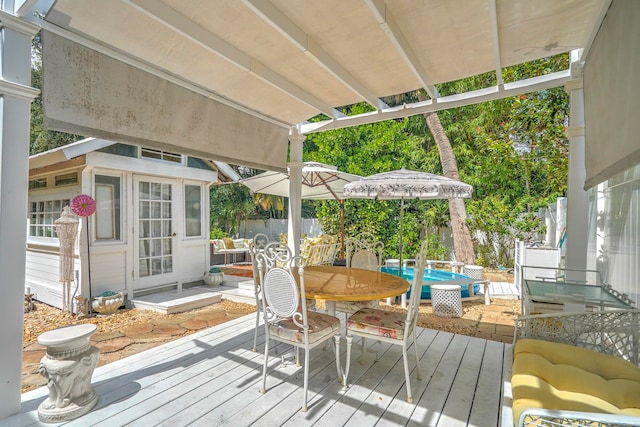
x=255, y=332
x=415, y=347
x=336, y=338
x=345, y=383
x=264, y=367
x=306, y=378
x=405, y=359
x=364, y=346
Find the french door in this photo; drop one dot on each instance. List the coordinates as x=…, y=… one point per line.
x=154, y=232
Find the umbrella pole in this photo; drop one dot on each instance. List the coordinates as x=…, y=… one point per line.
x=401, y=246
x=342, y=228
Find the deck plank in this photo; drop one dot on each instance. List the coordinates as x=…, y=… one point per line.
x=213, y=377
x=486, y=403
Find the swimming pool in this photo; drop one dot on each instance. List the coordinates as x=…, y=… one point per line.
x=434, y=276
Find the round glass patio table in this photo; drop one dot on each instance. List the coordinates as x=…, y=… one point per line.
x=335, y=283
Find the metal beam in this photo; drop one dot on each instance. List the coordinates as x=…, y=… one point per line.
x=394, y=32
x=444, y=103
x=183, y=25
x=280, y=22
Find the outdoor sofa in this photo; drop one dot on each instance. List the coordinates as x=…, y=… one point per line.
x=229, y=251
x=575, y=369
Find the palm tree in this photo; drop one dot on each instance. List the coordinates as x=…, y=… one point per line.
x=274, y=205
x=462, y=243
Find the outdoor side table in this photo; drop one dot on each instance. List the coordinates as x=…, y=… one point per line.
x=446, y=300
x=68, y=365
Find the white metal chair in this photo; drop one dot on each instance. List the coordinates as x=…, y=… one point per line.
x=363, y=251
x=391, y=327
x=256, y=246
x=287, y=319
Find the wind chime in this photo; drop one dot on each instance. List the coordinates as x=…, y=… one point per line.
x=67, y=230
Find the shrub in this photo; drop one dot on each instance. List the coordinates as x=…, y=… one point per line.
x=217, y=233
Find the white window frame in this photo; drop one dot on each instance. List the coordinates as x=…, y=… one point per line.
x=95, y=217
x=45, y=198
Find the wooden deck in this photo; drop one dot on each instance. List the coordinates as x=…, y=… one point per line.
x=212, y=378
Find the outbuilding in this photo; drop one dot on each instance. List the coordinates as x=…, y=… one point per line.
x=150, y=230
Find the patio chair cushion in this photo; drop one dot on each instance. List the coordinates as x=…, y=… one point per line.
x=320, y=325
x=559, y=376
x=378, y=322
x=353, y=306
x=228, y=243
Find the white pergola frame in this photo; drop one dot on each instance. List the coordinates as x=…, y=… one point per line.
x=18, y=26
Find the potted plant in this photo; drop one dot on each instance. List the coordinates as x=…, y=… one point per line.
x=213, y=277
x=107, y=302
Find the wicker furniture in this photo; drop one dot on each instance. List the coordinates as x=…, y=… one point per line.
x=567, y=366
x=286, y=317
x=392, y=327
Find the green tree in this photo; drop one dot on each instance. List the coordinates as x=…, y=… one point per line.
x=229, y=204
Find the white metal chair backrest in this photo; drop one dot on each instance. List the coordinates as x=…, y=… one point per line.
x=364, y=251
x=277, y=254
x=281, y=292
x=364, y=259
x=416, y=289
x=258, y=244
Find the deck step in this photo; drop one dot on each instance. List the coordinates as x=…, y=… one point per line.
x=175, y=301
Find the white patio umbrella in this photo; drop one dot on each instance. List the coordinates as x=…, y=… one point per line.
x=406, y=184
x=319, y=182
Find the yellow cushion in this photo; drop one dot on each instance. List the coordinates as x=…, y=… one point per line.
x=228, y=243
x=563, y=377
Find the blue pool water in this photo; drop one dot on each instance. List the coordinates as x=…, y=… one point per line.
x=433, y=276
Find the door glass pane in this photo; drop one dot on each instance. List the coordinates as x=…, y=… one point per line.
x=166, y=250
x=143, y=229
x=144, y=210
x=166, y=192
x=193, y=223
x=144, y=190
x=156, y=266
x=144, y=267
x=156, y=229
x=156, y=247
x=155, y=191
x=167, y=264
x=166, y=210
x=144, y=248
x=155, y=210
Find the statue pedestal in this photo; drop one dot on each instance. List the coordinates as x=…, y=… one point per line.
x=68, y=366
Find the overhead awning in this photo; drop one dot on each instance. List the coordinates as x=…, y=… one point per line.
x=169, y=69
x=89, y=93
x=611, y=96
